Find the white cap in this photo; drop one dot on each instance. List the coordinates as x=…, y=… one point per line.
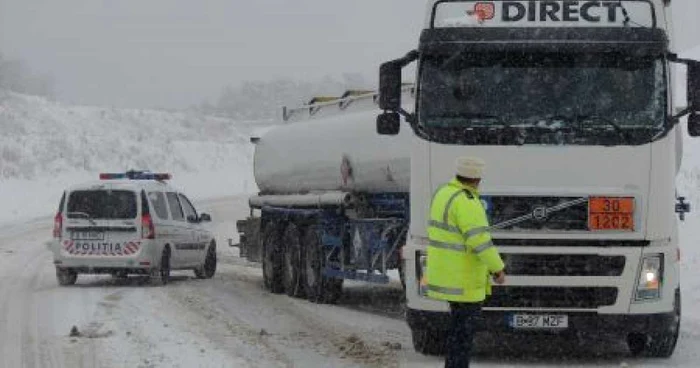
x=470, y=167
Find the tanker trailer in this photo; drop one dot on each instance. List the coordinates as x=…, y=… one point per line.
x=333, y=198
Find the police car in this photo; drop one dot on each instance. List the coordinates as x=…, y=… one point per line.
x=130, y=223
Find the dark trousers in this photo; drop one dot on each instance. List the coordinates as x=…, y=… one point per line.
x=464, y=318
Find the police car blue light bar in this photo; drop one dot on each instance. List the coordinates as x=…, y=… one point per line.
x=136, y=175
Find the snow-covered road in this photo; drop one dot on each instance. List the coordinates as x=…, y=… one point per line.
x=230, y=321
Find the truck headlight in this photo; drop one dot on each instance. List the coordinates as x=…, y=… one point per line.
x=421, y=262
x=650, y=278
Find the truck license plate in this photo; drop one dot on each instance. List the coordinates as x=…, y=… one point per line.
x=539, y=321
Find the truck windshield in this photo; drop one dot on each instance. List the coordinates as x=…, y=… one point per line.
x=616, y=98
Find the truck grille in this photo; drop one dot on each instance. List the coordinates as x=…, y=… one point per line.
x=504, y=208
x=551, y=297
x=563, y=265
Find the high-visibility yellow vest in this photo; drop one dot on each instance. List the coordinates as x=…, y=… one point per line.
x=461, y=255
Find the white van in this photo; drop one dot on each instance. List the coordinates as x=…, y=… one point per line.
x=130, y=223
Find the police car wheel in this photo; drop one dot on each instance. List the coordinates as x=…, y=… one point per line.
x=208, y=269
x=161, y=276
x=66, y=277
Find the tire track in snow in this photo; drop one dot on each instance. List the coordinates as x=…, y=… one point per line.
x=19, y=272
x=236, y=295
x=30, y=299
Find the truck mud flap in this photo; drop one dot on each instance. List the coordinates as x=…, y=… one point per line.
x=249, y=233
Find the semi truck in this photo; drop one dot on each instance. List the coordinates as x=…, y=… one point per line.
x=570, y=103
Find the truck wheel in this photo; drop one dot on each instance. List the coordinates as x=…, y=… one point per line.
x=161, y=276
x=292, y=261
x=272, y=260
x=662, y=345
x=208, y=269
x=318, y=288
x=429, y=342
x=66, y=277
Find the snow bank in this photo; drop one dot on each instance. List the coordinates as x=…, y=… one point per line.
x=46, y=146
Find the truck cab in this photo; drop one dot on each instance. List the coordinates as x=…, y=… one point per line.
x=570, y=103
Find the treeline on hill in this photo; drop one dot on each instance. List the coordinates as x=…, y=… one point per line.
x=263, y=100
x=16, y=76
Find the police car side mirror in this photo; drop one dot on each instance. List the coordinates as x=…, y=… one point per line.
x=205, y=217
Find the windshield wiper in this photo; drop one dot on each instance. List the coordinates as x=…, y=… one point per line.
x=457, y=120
x=474, y=116
x=84, y=215
x=618, y=129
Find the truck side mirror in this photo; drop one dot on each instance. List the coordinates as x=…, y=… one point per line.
x=694, y=124
x=389, y=123
x=390, y=86
x=694, y=86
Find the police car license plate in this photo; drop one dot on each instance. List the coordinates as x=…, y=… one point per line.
x=539, y=321
x=87, y=235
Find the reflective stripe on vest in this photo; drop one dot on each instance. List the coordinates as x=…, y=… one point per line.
x=457, y=247
x=444, y=226
x=445, y=290
x=455, y=230
x=446, y=213
x=480, y=248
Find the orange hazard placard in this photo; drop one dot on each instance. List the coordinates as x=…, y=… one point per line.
x=611, y=213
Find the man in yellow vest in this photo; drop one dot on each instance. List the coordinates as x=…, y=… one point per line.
x=461, y=256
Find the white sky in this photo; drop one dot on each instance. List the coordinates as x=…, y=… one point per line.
x=174, y=53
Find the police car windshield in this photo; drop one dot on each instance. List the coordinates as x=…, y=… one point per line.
x=531, y=89
x=102, y=204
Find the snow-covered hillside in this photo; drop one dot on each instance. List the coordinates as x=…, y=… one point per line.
x=45, y=146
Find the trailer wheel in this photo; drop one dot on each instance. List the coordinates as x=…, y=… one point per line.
x=293, y=261
x=318, y=288
x=428, y=341
x=272, y=260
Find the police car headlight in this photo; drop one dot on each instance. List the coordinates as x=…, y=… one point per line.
x=650, y=278
x=421, y=261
